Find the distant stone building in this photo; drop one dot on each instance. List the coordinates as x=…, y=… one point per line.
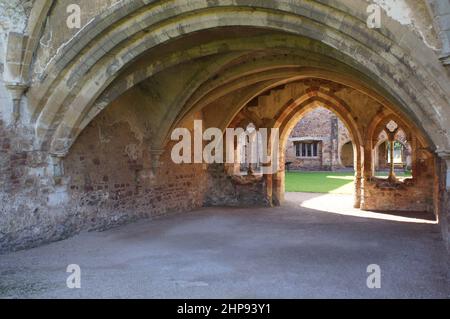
x=320, y=141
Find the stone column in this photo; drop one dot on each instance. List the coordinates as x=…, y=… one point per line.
x=334, y=143
x=269, y=183
x=358, y=176
x=366, y=173
x=391, y=137
x=445, y=216
x=278, y=188
x=278, y=185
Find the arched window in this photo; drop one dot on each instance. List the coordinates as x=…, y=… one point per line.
x=392, y=153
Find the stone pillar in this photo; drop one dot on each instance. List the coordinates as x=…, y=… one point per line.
x=391, y=136
x=366, y=173
x=334, y=143
x=269, y=185
x=358, y=176
x=445, y=216
x=278, y=188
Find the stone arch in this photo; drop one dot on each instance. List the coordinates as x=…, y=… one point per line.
x=289, y=117
x=29, y=44
x=417, y=140
x=52, y=120
x=380, y=122
x=406, y=144
x=281, y=78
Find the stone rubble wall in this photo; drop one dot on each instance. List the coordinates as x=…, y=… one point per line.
x=226, y=190
x=107, y=181
x=411, y=195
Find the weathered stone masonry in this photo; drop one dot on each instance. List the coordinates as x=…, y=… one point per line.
x=107, y=181
x=86, y=115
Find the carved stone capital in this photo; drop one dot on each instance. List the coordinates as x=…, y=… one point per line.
x=155, y=158
x=17, y=91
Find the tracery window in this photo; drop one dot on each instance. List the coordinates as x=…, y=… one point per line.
x=393, y=153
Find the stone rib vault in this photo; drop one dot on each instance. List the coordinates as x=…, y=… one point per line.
x=87, y=113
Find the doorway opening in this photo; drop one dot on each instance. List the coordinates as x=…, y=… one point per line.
x=319, y=155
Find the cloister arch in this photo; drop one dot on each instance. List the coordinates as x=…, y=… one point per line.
x=222, y=61
x=319, y=92
x=382, y=155
x=291, y=115
x=56, y=93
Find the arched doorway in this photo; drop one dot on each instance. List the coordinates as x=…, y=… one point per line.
x=315, y=142
x=291, y=102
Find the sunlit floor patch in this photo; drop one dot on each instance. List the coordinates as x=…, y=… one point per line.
x=343, y=205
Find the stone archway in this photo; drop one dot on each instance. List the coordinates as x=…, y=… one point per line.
x=149, y=67
x=290, y=116
x=63, y=71
x=286, y=109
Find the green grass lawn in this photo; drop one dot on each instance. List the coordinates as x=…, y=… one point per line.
x=320, y=182
x=325, y=182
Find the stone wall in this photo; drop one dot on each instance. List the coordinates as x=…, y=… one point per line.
x=227, y=190
x=111, y=180
x=25, y=217
x=411, y=195
x=108, y=180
